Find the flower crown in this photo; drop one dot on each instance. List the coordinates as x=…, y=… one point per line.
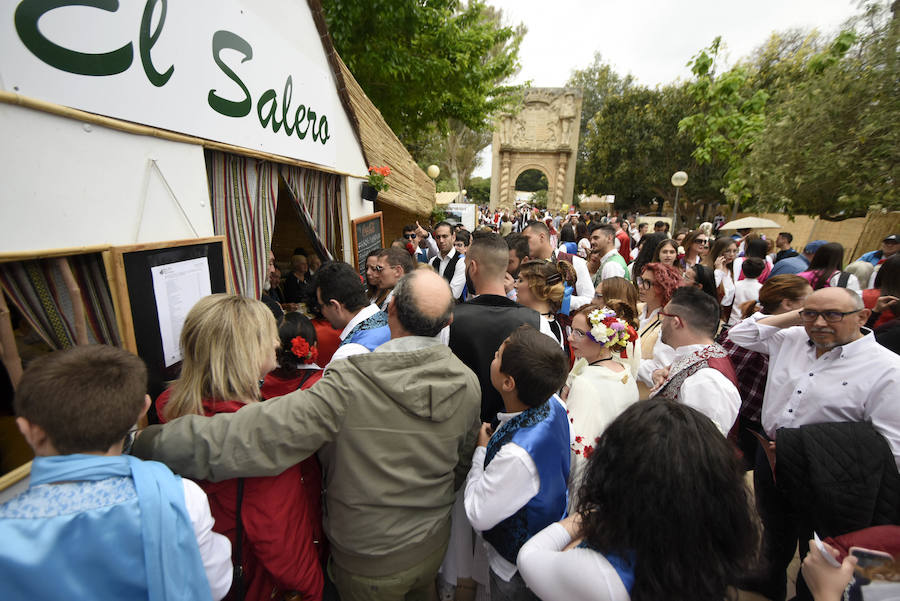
x=301, y=349
x=609, y=330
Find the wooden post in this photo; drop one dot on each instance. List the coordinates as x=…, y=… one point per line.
x=9, y=352
x=78, y=315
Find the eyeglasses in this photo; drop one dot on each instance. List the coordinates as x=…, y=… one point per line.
x=598, y=296
x=664, y=314
x=409, y=236
x=809, y=316
x=377, y=268
x=703, y=242
x=645, y=284
x=578, y=334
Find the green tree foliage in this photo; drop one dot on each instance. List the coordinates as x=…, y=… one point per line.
x=633, y=146
x=456, y=151
x=479, y=189
x=831, y=142
x=422, y=63
x=532, y=180
x=729, y=117
x=598, y=81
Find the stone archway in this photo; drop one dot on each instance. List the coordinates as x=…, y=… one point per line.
x=542, y=135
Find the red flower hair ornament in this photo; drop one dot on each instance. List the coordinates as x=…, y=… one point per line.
x=301, y=349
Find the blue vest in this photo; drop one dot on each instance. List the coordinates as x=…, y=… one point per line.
x=543, y=432
x=622, y=564
x=371, y=332
x=113, y=528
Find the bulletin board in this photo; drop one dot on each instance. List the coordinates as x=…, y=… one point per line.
x=368, y=235
x=154, y=286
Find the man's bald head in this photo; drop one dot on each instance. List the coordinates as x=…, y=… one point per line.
x=836, y=296
x=422, y=303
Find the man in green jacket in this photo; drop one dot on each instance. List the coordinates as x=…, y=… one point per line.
x=395, y=430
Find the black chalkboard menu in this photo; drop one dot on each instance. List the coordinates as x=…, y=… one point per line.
x=368, y=235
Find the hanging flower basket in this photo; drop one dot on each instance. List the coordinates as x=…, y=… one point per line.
x=376, y=182
x=369, y=192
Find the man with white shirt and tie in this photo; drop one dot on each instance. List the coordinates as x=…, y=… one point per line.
x=824, y=366
x=449, y=264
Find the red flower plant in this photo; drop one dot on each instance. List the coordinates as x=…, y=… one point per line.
x=301, y=349
x=376, y=177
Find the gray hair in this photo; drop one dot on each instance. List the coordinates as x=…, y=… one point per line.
x=410, y=315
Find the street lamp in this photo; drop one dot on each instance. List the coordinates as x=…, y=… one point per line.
x=679, y=178
x=433, y=171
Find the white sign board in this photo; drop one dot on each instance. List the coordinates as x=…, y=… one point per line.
x=207, y=68
x=177, y=287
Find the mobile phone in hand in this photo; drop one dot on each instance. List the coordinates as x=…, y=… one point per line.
x=869, y=558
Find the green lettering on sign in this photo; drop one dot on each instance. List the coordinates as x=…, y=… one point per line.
x=26, y=20
x=147, y=40
x=230, y=108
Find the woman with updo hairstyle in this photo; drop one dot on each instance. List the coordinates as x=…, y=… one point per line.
x=755, y=247
x=599, y=386
x=663, y=513
x=228, y=344
x=622, y=296
x=780, y=294
x=541, y=286
x=298, y=367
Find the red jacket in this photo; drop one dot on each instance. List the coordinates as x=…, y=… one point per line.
x=275, y=385
x=282, y=516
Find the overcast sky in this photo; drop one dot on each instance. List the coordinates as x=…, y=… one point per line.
x=651, y=39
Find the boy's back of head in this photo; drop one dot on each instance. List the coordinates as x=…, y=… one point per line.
x=536, y=363
x=85, y=399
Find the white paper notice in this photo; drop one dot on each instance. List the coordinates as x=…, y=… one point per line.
x=177, y=287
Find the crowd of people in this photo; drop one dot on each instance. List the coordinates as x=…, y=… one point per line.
x=555, y=407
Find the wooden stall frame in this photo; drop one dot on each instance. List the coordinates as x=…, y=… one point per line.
x=15, y=476
x=113, y=259
x=354, y=241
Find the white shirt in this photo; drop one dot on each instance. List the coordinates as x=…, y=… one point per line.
x=215, y=549
x=584, y=285
x=611, y=269
x=493, y=495
x=459, y=275
x=663, y=355
x=856, y=382
x=708, y=391
x=744, y=290
x=578, y=574
x=723, y=278
x=353, y=348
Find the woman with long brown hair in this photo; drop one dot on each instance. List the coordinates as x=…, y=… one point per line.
x=696, y=247
x=721, y=258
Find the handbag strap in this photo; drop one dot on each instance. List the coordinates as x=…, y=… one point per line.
x=238, y=578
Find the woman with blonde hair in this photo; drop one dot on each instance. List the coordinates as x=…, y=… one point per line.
x=546, y=287
x=599, y=386
x=228, y=344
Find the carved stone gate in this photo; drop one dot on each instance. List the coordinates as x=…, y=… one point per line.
x=542, y=135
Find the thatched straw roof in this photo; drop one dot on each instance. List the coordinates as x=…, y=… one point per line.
x=411, y=189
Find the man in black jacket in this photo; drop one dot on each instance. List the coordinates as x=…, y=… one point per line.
x=481, y=324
